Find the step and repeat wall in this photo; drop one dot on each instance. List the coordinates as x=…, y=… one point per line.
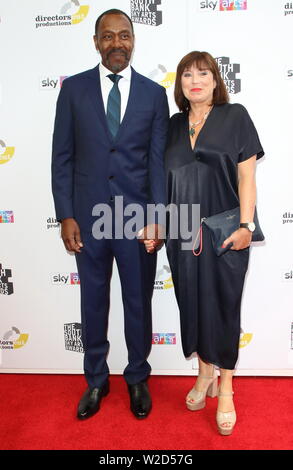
x=45, y=41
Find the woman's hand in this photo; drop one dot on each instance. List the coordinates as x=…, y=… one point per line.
x=152, y=236
x=152, y=245
x=241, y=239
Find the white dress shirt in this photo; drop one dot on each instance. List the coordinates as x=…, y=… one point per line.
x=123, y=84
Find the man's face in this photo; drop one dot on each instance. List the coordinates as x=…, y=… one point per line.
x=114, y=41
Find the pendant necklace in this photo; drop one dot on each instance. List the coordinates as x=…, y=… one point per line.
x=193, y=125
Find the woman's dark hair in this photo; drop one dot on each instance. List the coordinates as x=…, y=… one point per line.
x=113, y=11
x=203, y=60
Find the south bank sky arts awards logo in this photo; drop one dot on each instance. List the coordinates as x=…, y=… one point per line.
x=6, y=152
x=71, y=13
x=13, y=339
x=72, y=337
x=6, y=285
x=222, y=5
x=146, y=12
x=228, y=73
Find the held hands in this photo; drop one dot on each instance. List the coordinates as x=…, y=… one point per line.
x=241, y=239
x=152, y=236
x=70, y=235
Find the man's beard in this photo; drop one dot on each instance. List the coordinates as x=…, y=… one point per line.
x=118, y=66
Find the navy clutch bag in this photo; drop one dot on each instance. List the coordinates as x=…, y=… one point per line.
x=222, y=225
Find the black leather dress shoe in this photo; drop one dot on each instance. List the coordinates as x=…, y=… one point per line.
x=91, y=400
x=140, y=400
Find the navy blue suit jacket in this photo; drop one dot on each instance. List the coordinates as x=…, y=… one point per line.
x=88, y=166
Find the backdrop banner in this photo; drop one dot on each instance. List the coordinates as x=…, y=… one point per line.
x=45, y=41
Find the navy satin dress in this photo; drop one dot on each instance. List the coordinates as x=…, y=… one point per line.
x=208, y=288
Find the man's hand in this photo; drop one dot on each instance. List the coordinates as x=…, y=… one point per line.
x=70, y=234
x=152, y=236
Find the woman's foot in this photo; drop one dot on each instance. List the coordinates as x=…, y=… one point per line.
x=226, y=414
x=204, y=385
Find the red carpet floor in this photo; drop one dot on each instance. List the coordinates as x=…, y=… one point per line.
x=38, y=412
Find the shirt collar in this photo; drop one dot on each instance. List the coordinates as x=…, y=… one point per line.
x=126, y=73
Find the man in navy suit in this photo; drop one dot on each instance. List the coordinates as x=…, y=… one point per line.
x=109, y=139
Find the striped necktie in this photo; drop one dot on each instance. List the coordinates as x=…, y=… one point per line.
x=114, y=105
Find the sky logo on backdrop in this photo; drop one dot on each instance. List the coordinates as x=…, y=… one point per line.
x=74, y=279
x=231, y=5
x=65, y=279
x=223, y=5
x=164, y=338
x=52, y=83
x=6, y=217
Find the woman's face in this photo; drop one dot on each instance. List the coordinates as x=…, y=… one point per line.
x=198, y=85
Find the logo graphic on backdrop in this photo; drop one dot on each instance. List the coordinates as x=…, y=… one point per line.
x=228, y=72
x=6, y=153
x=6, y=217
x=164, y=338
x=65, y=279
x=288, y=8
x=163, y=278
x=146, y=12
x=52, y=82
x=287, y=276
x=6, y=286
x=162, y=76
x=52, y=223
x=245, y=338
x=223, y=5
x=288, y=218
x=72, y=12
x=72, y=337
x=13, y=339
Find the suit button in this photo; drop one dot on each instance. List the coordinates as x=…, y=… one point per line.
x=113, y=150
x=111, y=198
x=198, y=158
x=110, y=177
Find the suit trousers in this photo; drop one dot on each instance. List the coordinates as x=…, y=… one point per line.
x=137, y=270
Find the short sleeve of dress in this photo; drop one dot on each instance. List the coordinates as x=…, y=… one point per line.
x=248, y=140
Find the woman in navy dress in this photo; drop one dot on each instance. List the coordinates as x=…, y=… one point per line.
x=210, y=160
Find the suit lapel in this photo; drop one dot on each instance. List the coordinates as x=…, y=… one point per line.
x=96, y=99
x=131, y=105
